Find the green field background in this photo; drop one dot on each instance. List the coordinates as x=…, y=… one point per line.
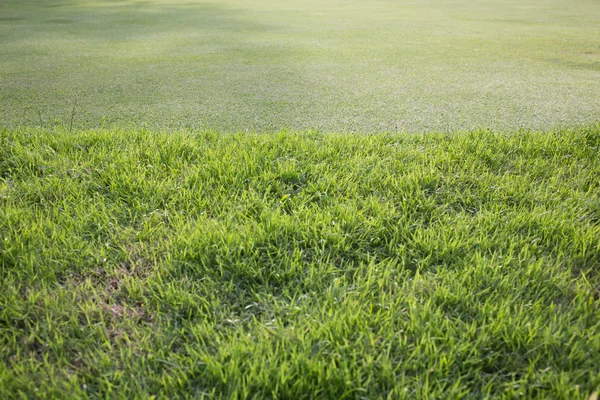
x=328, y=65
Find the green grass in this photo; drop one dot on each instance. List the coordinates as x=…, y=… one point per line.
x=147, y=249
x=329, y=65
x=299, y=265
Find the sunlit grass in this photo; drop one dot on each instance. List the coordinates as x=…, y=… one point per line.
x=299, y=264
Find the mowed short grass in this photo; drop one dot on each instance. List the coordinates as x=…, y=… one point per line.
x=299, y=265
x=330, y=65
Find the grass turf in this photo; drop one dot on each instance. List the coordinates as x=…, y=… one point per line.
x=331, y=65
x=299, y=265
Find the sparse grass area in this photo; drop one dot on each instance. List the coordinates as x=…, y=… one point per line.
x=329, y=65
x=299, y=265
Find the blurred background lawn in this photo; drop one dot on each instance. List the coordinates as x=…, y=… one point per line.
x=329, y=65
